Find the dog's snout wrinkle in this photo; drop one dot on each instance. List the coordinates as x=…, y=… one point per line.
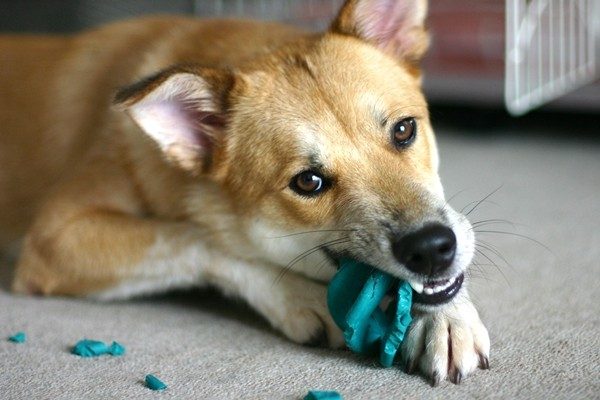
x=428, y=251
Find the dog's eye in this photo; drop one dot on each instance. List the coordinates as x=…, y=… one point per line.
x=404, y=132
x=308, y=183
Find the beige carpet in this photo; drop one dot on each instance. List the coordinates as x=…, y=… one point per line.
x=542, y=311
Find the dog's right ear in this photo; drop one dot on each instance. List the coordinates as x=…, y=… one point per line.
x=184, y=109
x=396, y=27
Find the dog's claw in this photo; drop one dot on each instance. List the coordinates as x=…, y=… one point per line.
x=467, y=345
x=456, y=377
x=411, y=366
x=484, y=362
x=435, y=379
x=319, y=339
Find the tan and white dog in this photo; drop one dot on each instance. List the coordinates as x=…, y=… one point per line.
x=249, y=157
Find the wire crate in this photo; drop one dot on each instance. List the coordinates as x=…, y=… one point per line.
x=551, y=49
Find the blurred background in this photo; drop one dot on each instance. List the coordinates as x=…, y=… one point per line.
x=466, y=66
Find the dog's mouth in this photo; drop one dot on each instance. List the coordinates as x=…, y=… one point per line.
x=436, y=292
x=432, y=293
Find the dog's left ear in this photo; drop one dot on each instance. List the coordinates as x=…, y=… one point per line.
x=397, y=27
x=184, y=110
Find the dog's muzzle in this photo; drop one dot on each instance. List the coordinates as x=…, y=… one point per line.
x=429, y=252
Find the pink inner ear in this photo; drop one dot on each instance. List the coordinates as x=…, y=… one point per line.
x=177, y=121
x=387, y=22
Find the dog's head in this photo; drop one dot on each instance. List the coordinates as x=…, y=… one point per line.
x=324, y=143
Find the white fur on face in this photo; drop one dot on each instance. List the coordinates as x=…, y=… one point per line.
x=465, y=240
x=283, y=248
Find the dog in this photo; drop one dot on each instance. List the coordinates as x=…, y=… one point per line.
x=246, y=156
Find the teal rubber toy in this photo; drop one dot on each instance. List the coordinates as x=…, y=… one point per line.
x=19, y=337
x=94, y=348
x=323, y=395
x=116, y=349
x=154, y=383
x=354, y=296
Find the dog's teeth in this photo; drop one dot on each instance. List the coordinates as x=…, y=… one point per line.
x=452, y=280
x=428, y=290
x=417, y=286
x=444, y=286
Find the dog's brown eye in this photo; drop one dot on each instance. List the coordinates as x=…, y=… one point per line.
x=308, y=183
x=404, y=132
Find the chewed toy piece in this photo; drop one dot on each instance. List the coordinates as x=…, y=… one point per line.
x=366, y=321
x=95, y=348
x=397, y=330
x=354, y=297
x=323, y=395
x=116, y=349
x=154, y=383
x=89, y=348
x=19, y=337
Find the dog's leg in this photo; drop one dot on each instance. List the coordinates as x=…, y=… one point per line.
x=293, y=304
x=90, y=238
x=110, y=255
x=449, y=343
x=124, y=256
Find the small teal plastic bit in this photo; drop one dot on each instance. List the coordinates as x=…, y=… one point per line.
x=19, y=337
x=95, y=348
x=353, y=298
x=116, y=349
x=152, y=382
x=323, y=395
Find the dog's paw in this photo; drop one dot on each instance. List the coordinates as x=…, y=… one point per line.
x=450, y=343
x=303, y=317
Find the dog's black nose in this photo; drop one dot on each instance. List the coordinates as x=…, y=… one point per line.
x=428, y=251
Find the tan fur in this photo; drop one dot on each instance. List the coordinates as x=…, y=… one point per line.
x=101, y=211
x=56, y=134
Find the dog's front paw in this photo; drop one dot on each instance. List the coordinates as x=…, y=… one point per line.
x=302, y=315
x=450, y=343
